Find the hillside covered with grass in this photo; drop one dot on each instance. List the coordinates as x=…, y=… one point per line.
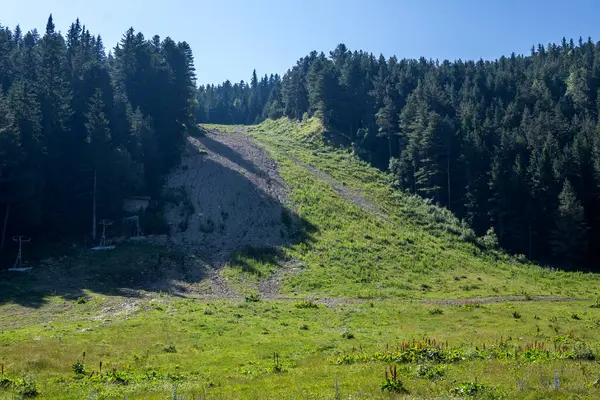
x=376, y=242
x=374, y=294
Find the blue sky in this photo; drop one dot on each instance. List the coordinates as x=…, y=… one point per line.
x=231, y=37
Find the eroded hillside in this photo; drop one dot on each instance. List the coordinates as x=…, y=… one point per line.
x=233, y=196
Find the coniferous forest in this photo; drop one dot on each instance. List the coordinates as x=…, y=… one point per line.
x=74, y=121
x=358, y=226
x=511, y=145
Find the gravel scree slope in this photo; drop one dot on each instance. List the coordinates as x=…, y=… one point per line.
x=236, y=192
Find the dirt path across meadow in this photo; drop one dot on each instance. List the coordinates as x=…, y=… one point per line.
x=346, y=193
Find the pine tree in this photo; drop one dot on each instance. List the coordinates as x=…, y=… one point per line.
x=488, y=139
x=569, y=237
x=26, y=116
x=66, y=120
x=323, y=90
x=387, y=120
x=27, y=120
x=98, y=136
x=254, y=107
x=97, y=128
x=294, y=93
x=10, y=160
x=61, y=145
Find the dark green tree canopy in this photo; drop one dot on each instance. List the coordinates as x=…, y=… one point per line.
x=494, y=141
x=67, y=116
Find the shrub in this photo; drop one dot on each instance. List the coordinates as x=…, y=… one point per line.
x=224, y=215
x=595, y=305
x=468, y=389
x=79, y=368
x=516, y=314
x=5, y=382
x=429, y=371
x=467, y=234
x=346, y=334
x=183, y=225
x=188, y=206
x=435, y=311
x=26, y=387
x=581, y=351
x=306, y=304
x=253, y=298
x=489, y=240
x=170, y=349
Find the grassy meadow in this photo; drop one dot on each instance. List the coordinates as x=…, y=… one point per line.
x=400, y=302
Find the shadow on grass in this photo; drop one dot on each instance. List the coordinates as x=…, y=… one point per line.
x=262, y=222
x=250, y=259
x=247, y=258
x=127, y=270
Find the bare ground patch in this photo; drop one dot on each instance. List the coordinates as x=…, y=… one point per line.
x=234, y=197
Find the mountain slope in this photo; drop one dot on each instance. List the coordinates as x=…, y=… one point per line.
x=372, y=241
x=230, y=196
x=366, y=278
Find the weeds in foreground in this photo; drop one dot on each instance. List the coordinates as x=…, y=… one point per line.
x=170, y=349
x=431, y=371
x=435, y=311
x=78, y=368
x=253, y=298
x=277, y=365
x=429, y=351
x=26, y=386
x=306, y=304
x=392, y=383
x=346, y=334
x=468, y=389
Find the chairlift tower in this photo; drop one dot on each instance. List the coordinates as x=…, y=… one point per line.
x=104, y=223
x=20, y=239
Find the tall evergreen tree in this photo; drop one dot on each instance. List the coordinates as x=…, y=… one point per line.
x=66, y=121
x=569, y=237
x=98, y=136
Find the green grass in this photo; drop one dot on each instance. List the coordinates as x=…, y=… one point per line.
x=224, y=349
x=419, y=253
x=359, y=294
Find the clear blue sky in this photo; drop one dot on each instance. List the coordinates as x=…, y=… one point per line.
x=231, y=37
